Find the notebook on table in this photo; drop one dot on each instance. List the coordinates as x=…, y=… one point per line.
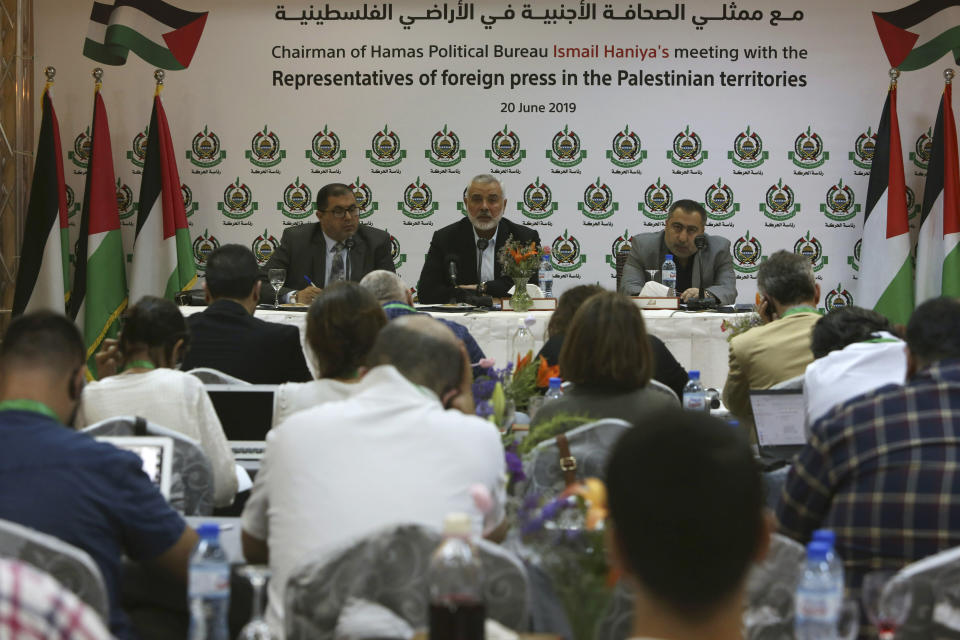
x=780, y=422
x=246, y=414
x=156, y=453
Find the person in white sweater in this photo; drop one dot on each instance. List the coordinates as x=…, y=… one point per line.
x=154, y=339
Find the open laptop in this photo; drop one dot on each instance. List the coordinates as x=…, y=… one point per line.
x=246, y=413
x=156, y=452
x=780, y=423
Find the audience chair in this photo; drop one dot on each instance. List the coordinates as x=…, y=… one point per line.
x=212, y=376
x=191, y=484
x=621, y=258
x=770, y=591
x=795, y=382
x=656, y=384
x=935, y=606
x=389, y=568
x=72, y=567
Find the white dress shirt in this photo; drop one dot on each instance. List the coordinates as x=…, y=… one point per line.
x=487, y=257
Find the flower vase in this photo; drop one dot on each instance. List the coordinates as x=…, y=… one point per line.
x=521, y=300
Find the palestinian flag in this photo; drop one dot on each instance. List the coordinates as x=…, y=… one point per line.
x=42, y=279
x=99, y=293
x=920, y=34
x=162, y=252
x=886, y=269
x=938, y=257
x=160, y=33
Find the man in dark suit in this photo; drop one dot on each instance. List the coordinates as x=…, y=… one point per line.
x=336, y=248
x=471, y=242
x=228, y=338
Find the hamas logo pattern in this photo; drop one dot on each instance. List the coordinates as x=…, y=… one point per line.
x=397, y=257
x=780, y=203
x=854, y=260
x=625, y=151
x=615, y=248
x=138, y=149
x=189, y=206
x=687, y=149
x=417, y=201
x=912, y=207
x=747, y=254
x=364, y=196
x=537, y=201
x=808, y=150
x=237, y=201
x=265, y=149
x=838, y=298
x=296, y=201
x=82, y=147
x=811, y=249
x=565, y=149
x=748, y=150
x=385, y=149
x=445, y=149
x=719, y=201
x=325, y=150
x=205, y=150
x=203, y=245
x=922, y=150
x=839, y=203
x=656, y=201
x=863, y=149
x=125, y=205
x=598, y=201
x=565, y=253
x=73, y=207
x=505, y=149
x=263, y=247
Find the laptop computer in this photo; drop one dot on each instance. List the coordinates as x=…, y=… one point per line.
x=780, y=422
x=246, y=413
x=156, y=453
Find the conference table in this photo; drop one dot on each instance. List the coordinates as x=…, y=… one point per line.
x=695, y=338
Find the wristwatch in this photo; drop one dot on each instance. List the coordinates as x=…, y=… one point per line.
x=482, y=288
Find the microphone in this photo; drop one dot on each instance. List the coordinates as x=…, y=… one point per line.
x=452, y=263
x=482, y=244
x=702, y=302
x=348, y=243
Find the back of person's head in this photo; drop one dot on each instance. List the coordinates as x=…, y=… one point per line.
x=42, y=340
x=606, y=346
x=342, y=324
x=154, y=324
x=384, y=285
x=423, y=349
x=686, y=532
x=933, y=332
x=845, y=326
x=787, y=278
x=567, y=305
x=231, y=272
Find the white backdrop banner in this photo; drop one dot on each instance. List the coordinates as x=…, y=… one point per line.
x=595, y=116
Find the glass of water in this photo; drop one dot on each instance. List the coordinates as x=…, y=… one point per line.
x=277, y=278
x=257, y=628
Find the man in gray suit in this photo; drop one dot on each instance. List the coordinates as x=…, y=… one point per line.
x=336, y=248
x=685, y=221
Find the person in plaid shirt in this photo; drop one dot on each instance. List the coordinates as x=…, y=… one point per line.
x=883, y=469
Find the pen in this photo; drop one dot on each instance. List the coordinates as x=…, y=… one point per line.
x=309, y=281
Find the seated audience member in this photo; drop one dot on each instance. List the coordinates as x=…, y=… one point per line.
x=152, y=342
x=780, y=348
x=395, y=451
x=881, y=469
x=342, y=324
x=226, y=336
x=666, y=369
x=855, y=352
x=89, y=494
x=394, y=295
x=686, y=534
x=607, y=357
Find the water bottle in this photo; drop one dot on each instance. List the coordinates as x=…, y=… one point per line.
x=819, y=596
x=829, y=538
x=522, y=341
x=209, y=587
x=669, y=275
x=554, y=391
x=455, y=578
x=546, y=274
x=694, y=397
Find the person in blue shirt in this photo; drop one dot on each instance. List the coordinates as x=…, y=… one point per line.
x=89, y=494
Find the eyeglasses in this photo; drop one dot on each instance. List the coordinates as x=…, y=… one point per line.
x=340, y=212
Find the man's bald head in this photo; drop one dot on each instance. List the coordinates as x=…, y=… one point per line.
x=385, y=286
x=423, y=349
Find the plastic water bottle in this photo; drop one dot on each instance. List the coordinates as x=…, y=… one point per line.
x=546, y=274
x=455, y=576
x=819, y=596
x=694, y=397
x=669, y=275
x=522, y=341
x=828, y=537
x=209, y=588
x=554, y=391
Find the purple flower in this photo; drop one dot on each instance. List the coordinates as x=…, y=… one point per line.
x=484, y=409
x=514, y=466
x=483, y=389
x=552, y=508
x=531, y=527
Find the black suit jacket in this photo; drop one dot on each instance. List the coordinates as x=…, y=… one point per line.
x=303, y=252
x=457, y=240
x=227, y=338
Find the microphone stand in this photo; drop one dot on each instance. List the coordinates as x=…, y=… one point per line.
x=702, y=303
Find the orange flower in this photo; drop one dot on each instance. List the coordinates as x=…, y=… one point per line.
x=523, y=362
x=545, y=372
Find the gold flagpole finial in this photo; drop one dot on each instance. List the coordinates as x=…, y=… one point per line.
x=894, y=74
x=50, y=72
x=98, y=78
x=159, y=75
x=948, y=76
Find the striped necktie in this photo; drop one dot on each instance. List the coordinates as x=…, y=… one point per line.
x=337, y=272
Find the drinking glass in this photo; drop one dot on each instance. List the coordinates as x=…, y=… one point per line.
x=886, y=601
x=652, y=273
x=277, y=278
x=848, y=620
x=257, y=628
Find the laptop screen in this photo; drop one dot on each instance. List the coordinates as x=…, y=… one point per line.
x=245, y=411
x=156, y=454
x=779, y=417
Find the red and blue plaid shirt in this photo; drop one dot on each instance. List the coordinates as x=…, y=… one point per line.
x=883, y=472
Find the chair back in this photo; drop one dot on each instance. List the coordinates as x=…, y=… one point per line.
x=191, y=486
x=656, y=384
x=389, y=568
x=621, y=258
x=213, y=376
x=795, y=382
x=72, y=567
x=771, y=588
x=935, y=605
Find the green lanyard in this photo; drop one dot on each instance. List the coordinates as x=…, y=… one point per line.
x=29, y=405
x=399, y=305
x=802, y=309
x=878, y=340
x=140, y=364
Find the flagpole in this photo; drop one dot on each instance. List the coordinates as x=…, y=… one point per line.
x=159, y=75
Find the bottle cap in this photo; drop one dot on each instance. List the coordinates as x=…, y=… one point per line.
x=669, y=256
x=826, y=536
x=817, y=550
x=456, y=524
x=693, y=374
x=209, y=531
x=555, y=382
